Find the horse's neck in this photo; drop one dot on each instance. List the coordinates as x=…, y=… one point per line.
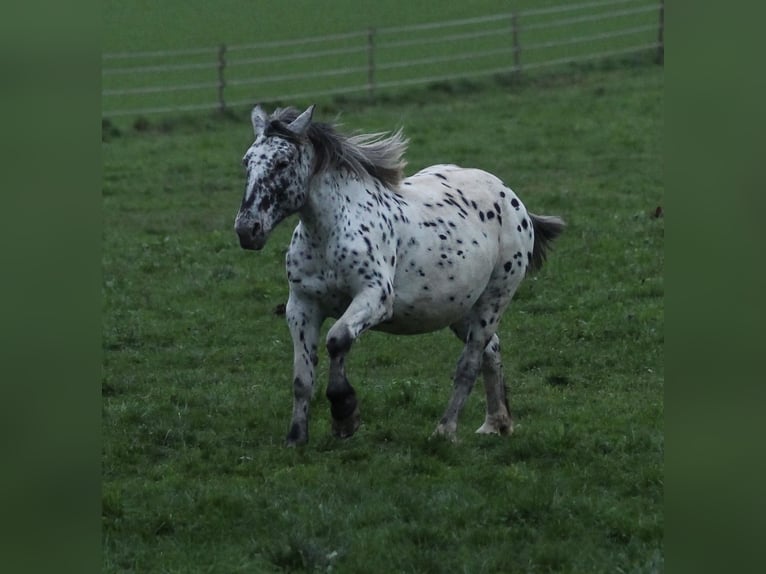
x=329, y=197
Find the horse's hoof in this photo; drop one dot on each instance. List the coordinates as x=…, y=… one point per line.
x=345, y=428
x=499, y=426
x=294, y=444
x=297, y=436
x=446, y=432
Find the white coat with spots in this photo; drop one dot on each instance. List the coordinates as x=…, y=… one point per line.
x=445, y=247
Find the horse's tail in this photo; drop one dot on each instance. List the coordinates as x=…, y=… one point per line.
x=547, y=228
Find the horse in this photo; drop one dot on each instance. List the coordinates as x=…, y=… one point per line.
x=445, y=247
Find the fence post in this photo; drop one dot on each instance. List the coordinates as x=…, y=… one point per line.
x=221, y=79
x=371, y=62
x=516, y=43
x=661, y=35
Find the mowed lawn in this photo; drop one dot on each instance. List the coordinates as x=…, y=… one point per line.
x=198, y=361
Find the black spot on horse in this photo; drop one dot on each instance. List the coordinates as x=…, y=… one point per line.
x=265, y=203
x=339, y=344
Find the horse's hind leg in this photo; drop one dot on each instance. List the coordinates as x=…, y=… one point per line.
x=481, y=352
x=498, y=419
x=465, y=376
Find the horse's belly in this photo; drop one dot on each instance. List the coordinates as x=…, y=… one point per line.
x=413, y=324
x=430, y=307
x=437, y=283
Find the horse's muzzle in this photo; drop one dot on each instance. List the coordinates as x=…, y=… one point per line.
x=251, y=236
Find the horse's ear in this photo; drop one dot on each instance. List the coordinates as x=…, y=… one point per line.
x=259, y=119
x=300, y=125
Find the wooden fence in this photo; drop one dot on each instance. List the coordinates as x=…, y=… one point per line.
x=377, y=59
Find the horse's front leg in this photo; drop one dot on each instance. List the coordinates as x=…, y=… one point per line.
x=366, y=310
x=304, y=320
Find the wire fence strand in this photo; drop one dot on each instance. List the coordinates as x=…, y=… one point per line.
x=377, y=59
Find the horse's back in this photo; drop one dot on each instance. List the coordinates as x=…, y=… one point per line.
x=474, y=201
x=471, y=181
x=459, y=234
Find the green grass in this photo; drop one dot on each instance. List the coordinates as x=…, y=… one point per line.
x=176, y=24
x=338, y=64
x=197, y=364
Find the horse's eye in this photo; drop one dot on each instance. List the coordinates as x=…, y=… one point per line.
x=281, y=164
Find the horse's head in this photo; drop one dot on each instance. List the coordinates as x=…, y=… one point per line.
x=278, y=164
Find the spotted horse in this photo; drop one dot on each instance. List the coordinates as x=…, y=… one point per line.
x=445, y=247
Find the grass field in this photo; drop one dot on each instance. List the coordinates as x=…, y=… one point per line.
x=161, y=56
x=176, y=24
x=197, y=364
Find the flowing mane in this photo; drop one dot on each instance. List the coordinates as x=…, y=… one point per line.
x=379, y=155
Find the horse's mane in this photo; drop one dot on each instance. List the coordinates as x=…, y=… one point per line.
x=379, y=155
